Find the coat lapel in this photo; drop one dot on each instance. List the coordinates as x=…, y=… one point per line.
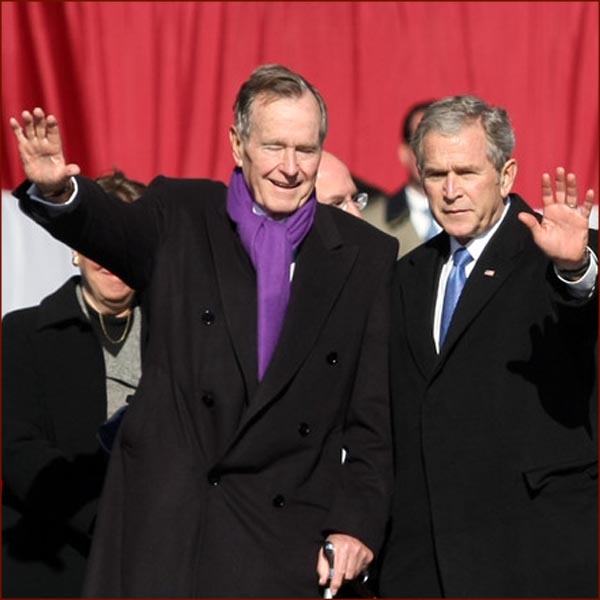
x=419, y=290
x=494, y=266
x=236, y=279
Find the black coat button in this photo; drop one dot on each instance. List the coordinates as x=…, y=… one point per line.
x=214, y=479
x=332, y=358
x=208, y=317
x=208, y=400
x=279, y=501
x=303, y=429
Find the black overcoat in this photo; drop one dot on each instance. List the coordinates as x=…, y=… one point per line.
x=496, y=437
x=221, y=485
x=53, y=400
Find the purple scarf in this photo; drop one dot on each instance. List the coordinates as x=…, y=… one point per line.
x=270, y=245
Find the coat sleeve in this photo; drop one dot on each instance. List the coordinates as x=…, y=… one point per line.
x=124, y=237
x=361, y=505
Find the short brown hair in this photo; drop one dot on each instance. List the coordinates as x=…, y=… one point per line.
x=117, y=184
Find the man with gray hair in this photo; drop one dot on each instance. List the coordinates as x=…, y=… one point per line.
x=493, y=377
x=226, y=477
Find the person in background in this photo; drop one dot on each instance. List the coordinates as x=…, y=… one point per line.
x=226, y=476
x=67, y=365
x=405, y=214
x=494, y=384
x=335, y=186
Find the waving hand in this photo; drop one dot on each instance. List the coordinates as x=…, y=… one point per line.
x=40, y=148
x=563, y=231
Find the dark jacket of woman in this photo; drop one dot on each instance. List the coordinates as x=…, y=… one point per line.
x=53, y=400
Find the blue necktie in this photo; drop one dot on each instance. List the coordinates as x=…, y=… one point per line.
x=454, y=287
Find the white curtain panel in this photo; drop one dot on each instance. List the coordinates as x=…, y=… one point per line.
x=34, y=264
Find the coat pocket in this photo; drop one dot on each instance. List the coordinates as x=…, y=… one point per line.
x=540, y=477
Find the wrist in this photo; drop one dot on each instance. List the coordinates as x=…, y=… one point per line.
x=60, y=194
x=573, y=274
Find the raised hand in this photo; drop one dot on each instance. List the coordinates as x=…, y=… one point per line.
x=563, y=232
x=40, y=148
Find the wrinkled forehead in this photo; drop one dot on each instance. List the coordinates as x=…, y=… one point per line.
x=293, y=120
x=270, y=102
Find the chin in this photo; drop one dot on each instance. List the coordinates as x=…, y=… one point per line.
x=282, y=208
x=118, y=294
x=458, y=231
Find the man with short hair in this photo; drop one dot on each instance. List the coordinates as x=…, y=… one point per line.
x=493, y=377
x=335, y=186
x=226, y=476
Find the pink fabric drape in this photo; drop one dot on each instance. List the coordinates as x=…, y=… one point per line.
x=149, y=86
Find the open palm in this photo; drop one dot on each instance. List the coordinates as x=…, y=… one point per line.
x=563, y=232
x=40, y=148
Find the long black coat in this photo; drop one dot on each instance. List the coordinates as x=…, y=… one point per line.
x=53, y=400
x=496, y=438
x=219, y=485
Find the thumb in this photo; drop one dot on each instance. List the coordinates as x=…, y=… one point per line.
x=72, y=169
x=529, y=221
x=322, y=569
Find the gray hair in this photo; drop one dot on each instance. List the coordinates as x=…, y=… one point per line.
x=274, y=81
x=449, y=115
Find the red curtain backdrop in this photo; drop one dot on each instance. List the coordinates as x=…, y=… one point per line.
x=149, y=86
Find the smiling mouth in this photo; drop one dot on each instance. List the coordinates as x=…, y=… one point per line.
x=285, y=186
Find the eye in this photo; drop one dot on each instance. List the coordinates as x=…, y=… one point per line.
x=337, y=201
x=434, y=175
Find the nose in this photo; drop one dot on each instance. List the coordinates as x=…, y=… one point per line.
x=289, y=163
x=451, y=186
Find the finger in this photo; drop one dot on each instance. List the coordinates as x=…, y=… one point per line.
x=322, y=569
x=353, y=566
x=547, y=192
x=529, y=220
x=588, y=203
x=39, y=123
x=339, y=573
x=559, y=182
x=17, y=129
x=362, y=560
x=72, y=170
x=571, y=191
x=28, y=128
x=52, y=130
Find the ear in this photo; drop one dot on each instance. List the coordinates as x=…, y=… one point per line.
x=404, y=154
x=237, y=147
x=508, y=176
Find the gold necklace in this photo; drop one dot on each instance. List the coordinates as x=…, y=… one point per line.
x=125, y=332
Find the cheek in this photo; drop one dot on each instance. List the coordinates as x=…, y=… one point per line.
x=486, y=203
x=262, y=167
x=88, y=264
x=312, y=167
x=434, y=193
